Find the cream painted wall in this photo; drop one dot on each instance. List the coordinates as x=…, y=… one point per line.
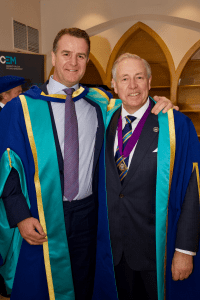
x=178, y=39
x=24, y=11
x=177, y=23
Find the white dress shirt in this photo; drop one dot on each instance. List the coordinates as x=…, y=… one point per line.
x=87, y=127
x=2, y=105
x=138, y=114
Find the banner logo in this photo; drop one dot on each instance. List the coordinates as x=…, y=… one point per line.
x=8, y=60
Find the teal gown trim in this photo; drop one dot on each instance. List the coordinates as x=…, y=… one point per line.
x=51, y=193
x=11, y=239
x=100, y=100
x=162, y=192
x=162, y=196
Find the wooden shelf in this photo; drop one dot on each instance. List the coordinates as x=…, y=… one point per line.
x=188, y=96
x=189, y=111
x=189, y=86
x=160, y=87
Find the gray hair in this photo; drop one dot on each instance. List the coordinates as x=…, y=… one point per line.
x=133, y=56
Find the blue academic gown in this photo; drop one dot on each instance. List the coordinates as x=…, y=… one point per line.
x=43, y=272
x=178, y=157
x=180, y=137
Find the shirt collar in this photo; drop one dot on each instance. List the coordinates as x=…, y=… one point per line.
x=138, y=114
x=55, y=87
x=2, y=104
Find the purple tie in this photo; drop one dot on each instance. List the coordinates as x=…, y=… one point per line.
x=71, y=148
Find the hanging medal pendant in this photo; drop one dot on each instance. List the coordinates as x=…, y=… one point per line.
x=122, y=166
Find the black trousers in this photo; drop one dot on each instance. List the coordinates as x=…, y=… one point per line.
x=81, y=229
x=135, y=285
x=3, y=291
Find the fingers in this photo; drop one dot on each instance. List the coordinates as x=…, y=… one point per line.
x=176, y=108
x=175, y=274
x=163, y=104
x=39, y=228
x=167, y=107
x=35, y=239
x=31, y=230
x=182, y=266
x=180, y=275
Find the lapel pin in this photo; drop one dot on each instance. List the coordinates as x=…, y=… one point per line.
x=155, y=129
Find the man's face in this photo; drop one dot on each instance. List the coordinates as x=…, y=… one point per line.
x=132, y=84
x=70, y=60
x=12, y=94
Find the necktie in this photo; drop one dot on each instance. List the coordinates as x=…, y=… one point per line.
x=71, y=148
x=121, y=162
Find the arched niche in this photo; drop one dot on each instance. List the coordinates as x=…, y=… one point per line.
x=187, y=81
x=94, y=72
x=51, y=72
x=140, y=39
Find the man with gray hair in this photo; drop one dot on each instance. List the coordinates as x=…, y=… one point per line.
x=150, y=159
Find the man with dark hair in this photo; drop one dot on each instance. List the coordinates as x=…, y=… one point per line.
x=76, y=32
x=49, y=195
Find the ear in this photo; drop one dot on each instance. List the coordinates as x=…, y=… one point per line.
x=53, y=58
x=150, y=82
x=115, y=86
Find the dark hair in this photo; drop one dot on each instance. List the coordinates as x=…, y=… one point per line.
x=76, y=32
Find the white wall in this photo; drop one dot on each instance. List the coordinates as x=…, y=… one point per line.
x=176, y=21
x=24, y=11
x=111, y=18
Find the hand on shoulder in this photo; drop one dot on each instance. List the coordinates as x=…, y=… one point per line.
x=163, y=104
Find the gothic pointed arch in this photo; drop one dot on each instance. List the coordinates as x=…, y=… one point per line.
x=187, y=82
x=188, y=70
x=94, y=74
x=140, y=39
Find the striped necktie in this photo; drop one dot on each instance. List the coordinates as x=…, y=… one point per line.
x=71, y=148
x=121, y=162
